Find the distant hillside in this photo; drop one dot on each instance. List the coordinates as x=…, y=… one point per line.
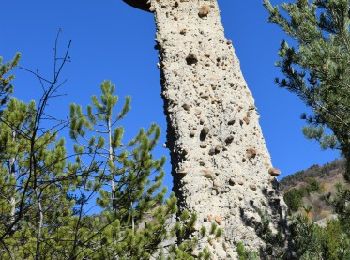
x=330, y=170
x=305, y=191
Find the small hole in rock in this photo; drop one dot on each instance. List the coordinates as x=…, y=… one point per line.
x=191, y=59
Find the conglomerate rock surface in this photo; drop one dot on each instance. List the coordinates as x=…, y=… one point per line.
x=221, y=167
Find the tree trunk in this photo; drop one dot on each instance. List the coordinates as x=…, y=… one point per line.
x=39, y=224
x=111, y=160
x=12, y=173
x=220, y=161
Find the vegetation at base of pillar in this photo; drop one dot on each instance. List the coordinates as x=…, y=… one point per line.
x=102, y=198
x=312, y=241
x=315, y=65
x=244, y=254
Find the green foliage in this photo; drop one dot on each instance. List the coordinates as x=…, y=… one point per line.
x=6, y=87
x=128, y=179
x=244, y=254
x=213, y=228
x=104, y=201
x=331, y=240
x=316, y=66
x=32, y=180
x=341, y=205
x=293, y=199
x=312, y=185
x=311, y=241
x=275, y=242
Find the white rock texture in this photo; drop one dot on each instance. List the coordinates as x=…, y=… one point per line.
x=220, y=161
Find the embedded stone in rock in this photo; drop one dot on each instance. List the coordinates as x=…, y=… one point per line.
x=210, y=218
x=212, y=151
x=204, y=134
x=251, y=153
x=274, y=172
x=183, y=171
x=246, y=120
x=240, y=182
x=217, y=149
x=204, y=11
x=197, y=112
x=252, y=187
x=191, y=59
x=229, y=140
x=208, y=173
x=218, y=219
x=192, y=134
x=216, y=184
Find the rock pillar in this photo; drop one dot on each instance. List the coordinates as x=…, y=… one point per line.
x=221, y=167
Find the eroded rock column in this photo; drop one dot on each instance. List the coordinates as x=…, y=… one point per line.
x=221, y=167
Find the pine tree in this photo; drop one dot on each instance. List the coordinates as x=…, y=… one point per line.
x=31, y=163
x=128, y=196
x=6, y=87
x=32, y=171
x=99, y=198
x=316, y=66
x=53, y=194
x=134, y=221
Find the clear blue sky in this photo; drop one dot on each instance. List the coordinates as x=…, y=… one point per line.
x=112, y=41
